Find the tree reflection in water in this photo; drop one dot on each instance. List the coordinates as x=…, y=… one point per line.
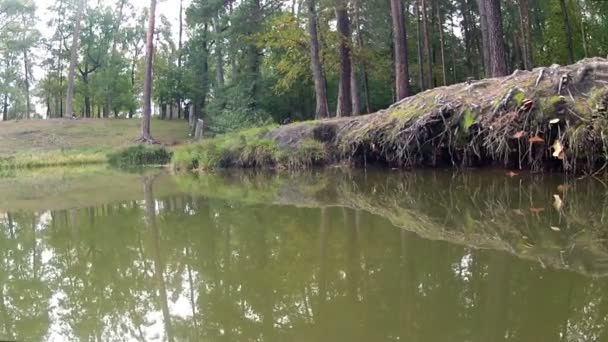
x=190, y=268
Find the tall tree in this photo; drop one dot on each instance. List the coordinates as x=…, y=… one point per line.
x=485, y=45
x=400, y=45
x=426, y=45
x=524, y=17
x=345, y=106
x=74, y=58
x=146, y=136
x=567, y=30
x=322, y=108
x=496, y=44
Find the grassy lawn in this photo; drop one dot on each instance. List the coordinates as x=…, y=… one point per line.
x=56, y=142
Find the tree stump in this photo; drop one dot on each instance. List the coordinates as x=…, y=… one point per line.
x=198, y=131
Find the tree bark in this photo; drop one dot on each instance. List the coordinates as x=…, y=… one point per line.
x=345, y=106
x=483, y=24
x=496, y=44
x=146, y=136
x=426, y=42
x=421, y=78
x=442, y=46
x=400, y=45
x=253, y=55
x=219, y=55
x=322, y=108
x=567, y=31
x=180, y=53
x=74, y=58
x=524, y=17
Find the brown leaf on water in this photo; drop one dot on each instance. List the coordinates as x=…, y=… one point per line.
x=537, y=210
x=557, y=202
x=512, y=174
x=519, y=135
x=556, y=229
x=536, y=139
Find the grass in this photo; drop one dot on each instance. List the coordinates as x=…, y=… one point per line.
x=249, y=149
x=139, y=155
x=59, y=142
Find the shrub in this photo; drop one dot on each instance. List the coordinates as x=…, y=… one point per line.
x=139, y=156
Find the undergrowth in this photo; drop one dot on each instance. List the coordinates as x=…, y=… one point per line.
x=139, y=156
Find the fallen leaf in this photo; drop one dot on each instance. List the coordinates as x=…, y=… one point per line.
x=519, y=135
x=557, y=202
x=554, y=121
x=558, y=148
x=536, y=139
x=555, y=229
x=518, y=212
x=537, y=210
x=512, y=174
x=563, y=188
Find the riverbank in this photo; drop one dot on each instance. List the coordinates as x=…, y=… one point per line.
x=65, y=142
x=553, y=118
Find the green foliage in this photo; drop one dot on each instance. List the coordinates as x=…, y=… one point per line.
x=139, y=156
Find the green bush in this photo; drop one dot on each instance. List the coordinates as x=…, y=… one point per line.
x=139, y=156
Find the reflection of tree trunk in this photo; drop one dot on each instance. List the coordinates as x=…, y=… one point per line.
x=158, y=265
x=406, y=304
x=353, y=256
x=34, y=252
x=191, y=286
x=497, y=291
x=322, y=269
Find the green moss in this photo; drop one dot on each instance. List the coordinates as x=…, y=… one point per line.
x=597, y=97
x=549, y=105
x=518, y=99
x=309, y=153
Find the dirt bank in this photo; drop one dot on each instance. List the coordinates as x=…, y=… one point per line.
x=552, y=118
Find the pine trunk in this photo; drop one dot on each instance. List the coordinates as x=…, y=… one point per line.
x=496, y=44
x=426, y=42
x=483, y=24
x=524, y=16
x=442, y=46
x=400, y=46
x=567, y=30
x=345, y=107
x=322, y=108
x=421, y=78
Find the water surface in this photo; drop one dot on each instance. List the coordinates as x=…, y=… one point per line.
x=100, y=255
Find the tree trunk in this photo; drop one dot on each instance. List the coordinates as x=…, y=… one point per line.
x=322, y=108
x=583, y=29
x=466, y=30
x=219, y=55
x=180, y=53
x=524, y=17
x=400, y=45
x=442, y=46
x=26, y=74
x=567, y=31
x=483, y=24
x=421, y=78
x=253, y=56
x=74, y=59
x=147, y=96
x=496, y=44
x=345, y=106
x=426, y=42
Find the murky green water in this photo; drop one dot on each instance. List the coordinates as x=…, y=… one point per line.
x=97, y=255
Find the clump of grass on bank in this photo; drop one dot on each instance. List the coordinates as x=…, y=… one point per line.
x=249, y=149
x=139, y=156
x=52, y=158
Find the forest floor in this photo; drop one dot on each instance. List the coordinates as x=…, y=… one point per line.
x=55, y=142
x=550, y=118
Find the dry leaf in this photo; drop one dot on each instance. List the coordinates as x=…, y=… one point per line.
x=557, y=202
x=512, y=174
x=537, y=210
x=518, y=212
x=536, y=139
x=556, y=229
x=519, y=135
x=558, y=149
x=554, y=121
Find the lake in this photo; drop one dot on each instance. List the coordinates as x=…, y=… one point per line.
x=94, y=254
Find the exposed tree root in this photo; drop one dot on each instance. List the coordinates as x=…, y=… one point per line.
x=519, y=121
x=146, y=141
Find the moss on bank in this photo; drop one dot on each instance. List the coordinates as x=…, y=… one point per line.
x=529, y=120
